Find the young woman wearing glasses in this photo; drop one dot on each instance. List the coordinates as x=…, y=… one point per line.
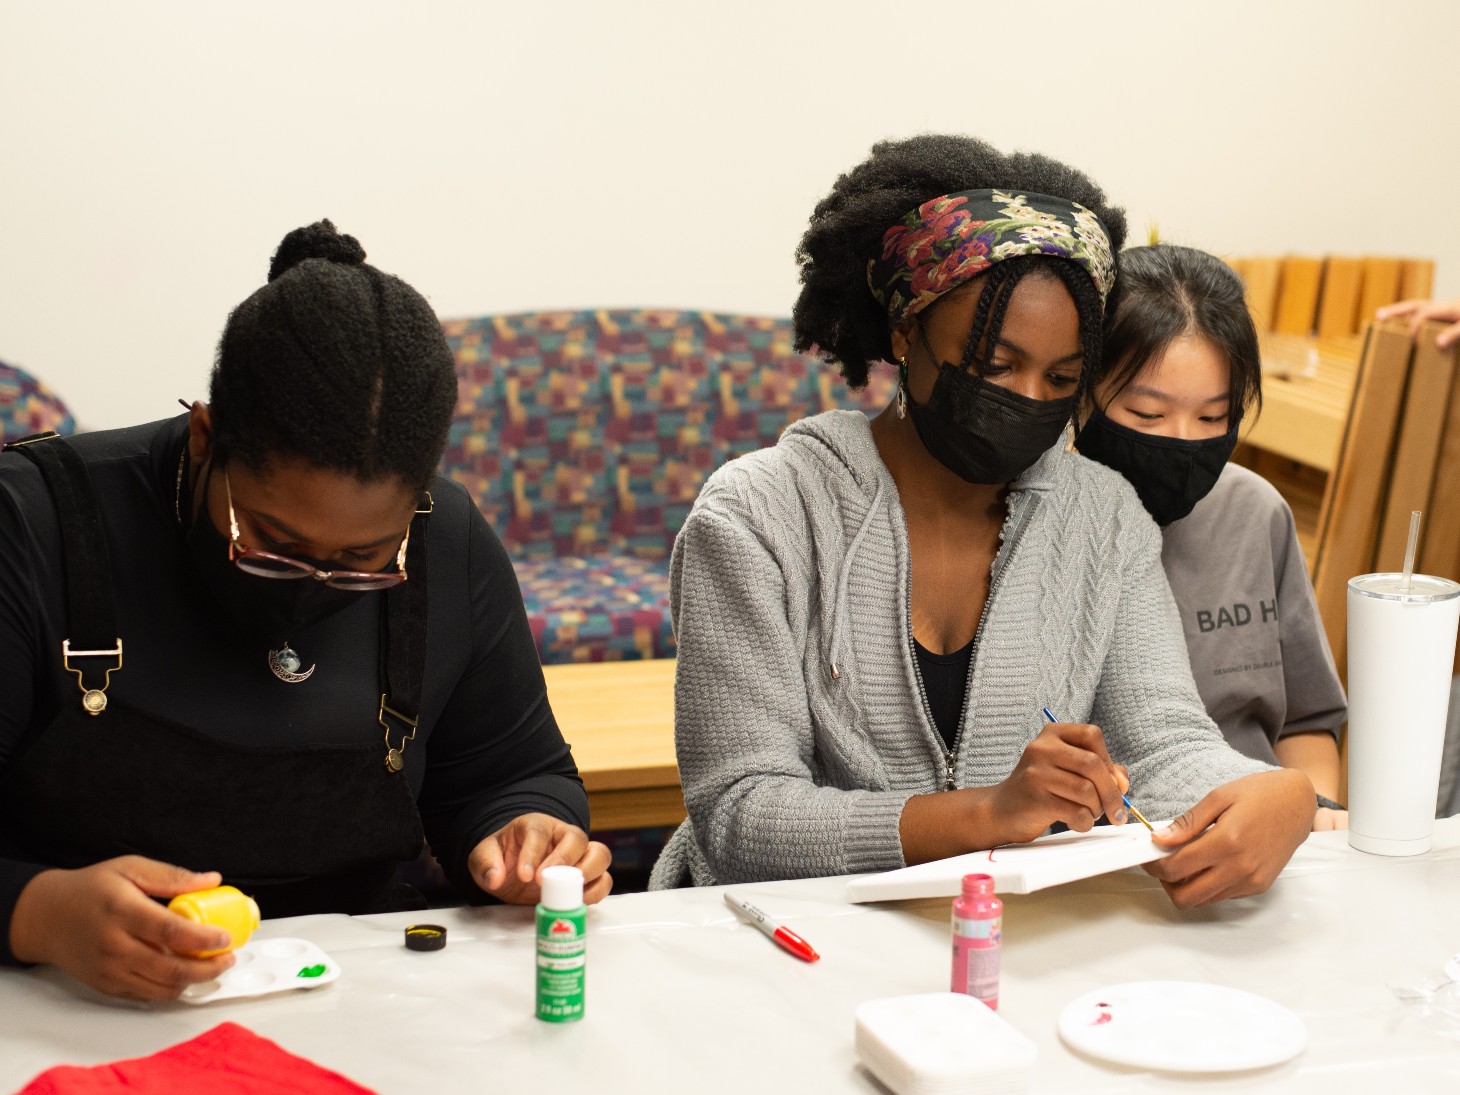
x=262, y=643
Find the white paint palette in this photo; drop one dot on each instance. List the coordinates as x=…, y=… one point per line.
x=266, y=966
x=1182, y=1026
x=942, y=1043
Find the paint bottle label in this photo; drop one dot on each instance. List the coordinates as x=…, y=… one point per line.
x=976, y=957
x=562, y=963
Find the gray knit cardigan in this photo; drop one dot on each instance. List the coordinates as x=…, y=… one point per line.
x=800, y=721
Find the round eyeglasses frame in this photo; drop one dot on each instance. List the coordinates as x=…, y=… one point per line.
x=265, y=564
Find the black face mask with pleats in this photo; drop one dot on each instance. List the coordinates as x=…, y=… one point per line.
x=984, y=433
x=1170, y=474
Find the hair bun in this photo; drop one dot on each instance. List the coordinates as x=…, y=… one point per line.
x=319, y=240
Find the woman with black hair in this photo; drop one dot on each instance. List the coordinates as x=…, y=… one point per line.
x=1181, y=370
x=871, y=615
x=263, y=642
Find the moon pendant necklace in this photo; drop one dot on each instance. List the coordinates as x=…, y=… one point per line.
x=285, y=664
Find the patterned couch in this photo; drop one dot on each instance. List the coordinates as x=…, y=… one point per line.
x=27, y=406
x=585, y=436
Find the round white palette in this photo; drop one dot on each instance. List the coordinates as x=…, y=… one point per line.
x=1182, y=1026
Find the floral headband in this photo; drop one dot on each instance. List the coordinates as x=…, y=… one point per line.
x=949, y=240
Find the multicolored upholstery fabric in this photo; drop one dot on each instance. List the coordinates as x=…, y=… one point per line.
x=598, y=607
x=585, y=437
x=27, y=406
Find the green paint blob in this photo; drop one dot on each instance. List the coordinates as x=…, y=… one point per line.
x=311, y=971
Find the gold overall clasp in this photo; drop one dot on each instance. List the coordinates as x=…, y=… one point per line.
x=93, y=700
x=395, y=757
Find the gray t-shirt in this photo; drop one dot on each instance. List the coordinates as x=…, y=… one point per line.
x=1258, y=652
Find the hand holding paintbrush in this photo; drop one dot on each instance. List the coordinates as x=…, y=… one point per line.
x=1125, y=798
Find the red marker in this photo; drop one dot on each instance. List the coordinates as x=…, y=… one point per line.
x=785, y=937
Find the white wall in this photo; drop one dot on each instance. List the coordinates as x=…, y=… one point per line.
x=652, y=152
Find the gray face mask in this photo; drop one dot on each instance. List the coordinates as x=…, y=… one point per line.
x=984, y=433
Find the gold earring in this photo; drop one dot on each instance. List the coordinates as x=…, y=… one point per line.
x=902, y=387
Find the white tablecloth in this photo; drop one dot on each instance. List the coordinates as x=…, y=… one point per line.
x=682, y=996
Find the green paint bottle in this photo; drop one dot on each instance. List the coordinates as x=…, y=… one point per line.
x=562, y=947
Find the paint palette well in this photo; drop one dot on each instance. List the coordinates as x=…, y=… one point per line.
x=266, y=966
x=1182, y=1026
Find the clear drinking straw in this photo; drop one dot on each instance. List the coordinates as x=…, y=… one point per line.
x=1409, y=549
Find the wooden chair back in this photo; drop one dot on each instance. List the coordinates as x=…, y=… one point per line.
x=1400, y=452
x=1332, y=297
x=1352, y=511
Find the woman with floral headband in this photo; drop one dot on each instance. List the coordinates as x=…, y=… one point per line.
x=872, y=614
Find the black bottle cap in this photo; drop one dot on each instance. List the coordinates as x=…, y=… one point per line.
x=425, y=937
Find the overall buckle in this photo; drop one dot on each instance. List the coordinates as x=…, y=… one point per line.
x=93, y=700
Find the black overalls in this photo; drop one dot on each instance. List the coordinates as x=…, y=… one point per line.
x=302, y=828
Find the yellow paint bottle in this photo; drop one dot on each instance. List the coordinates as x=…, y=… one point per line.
x=222, y=907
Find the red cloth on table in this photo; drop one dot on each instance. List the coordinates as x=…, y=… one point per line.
x=227, y=1060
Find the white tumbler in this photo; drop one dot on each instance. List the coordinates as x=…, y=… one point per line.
x=1401, y=653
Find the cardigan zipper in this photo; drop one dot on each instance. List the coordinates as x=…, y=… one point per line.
x=1015, y=528
x=912, y=649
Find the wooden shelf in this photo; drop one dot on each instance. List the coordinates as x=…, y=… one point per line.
x=1307, y=387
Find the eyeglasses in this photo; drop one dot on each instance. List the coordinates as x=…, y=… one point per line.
x=266, y=564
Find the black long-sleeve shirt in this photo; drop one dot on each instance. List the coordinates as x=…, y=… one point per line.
x=488, y=748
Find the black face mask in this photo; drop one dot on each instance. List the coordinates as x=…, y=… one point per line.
x=1171, y=475
x=271, y=610
x=984, y=433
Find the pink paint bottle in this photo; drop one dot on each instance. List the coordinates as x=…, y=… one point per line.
x=977, y=932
